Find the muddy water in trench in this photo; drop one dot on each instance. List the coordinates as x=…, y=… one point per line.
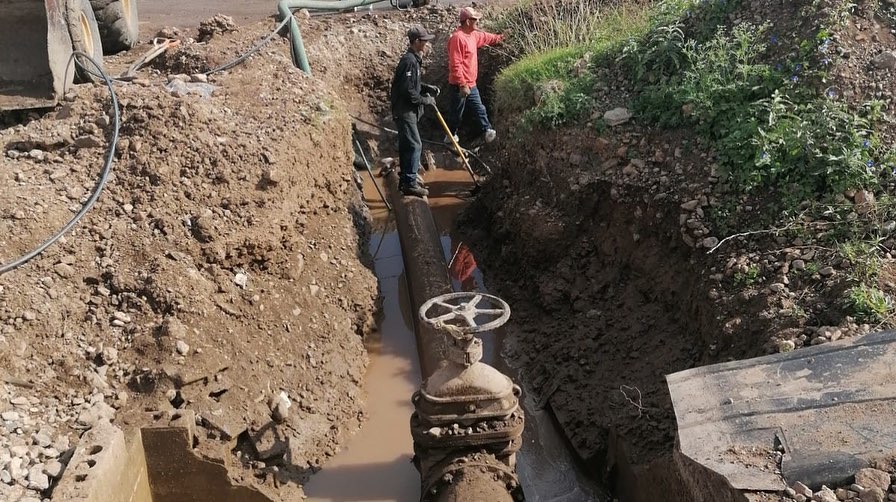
x=376, y=464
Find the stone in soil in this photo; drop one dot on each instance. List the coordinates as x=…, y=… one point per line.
x=869, y=477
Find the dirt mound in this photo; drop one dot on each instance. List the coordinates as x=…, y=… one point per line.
x=221, y=265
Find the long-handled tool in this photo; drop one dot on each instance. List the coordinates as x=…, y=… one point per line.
x=460, y=151
x=372, y=178
x=159, y=45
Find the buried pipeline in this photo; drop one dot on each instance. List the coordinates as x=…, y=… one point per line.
x=467, y=425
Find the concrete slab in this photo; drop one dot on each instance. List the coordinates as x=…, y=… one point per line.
x=830, y=407
x=176, y=474
x=105, y=468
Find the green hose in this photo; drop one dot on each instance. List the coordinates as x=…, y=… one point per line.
x=286, y=7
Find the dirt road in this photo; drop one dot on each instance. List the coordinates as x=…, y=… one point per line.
x=158, y=14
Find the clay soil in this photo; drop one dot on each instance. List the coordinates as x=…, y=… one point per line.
x=224, y=263
x=599, y=241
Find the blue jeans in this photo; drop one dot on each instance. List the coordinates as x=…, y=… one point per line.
x=458, y=103
x=409, y=147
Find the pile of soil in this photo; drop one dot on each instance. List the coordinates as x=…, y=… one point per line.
x=223, y=264
x=224, y=268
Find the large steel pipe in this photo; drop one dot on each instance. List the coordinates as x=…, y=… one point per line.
x=449, y=470
x=425, y=269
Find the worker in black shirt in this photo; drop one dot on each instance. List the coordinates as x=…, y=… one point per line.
x=409, y=95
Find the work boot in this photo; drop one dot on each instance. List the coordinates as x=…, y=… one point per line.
x=415, y=190
x=448, y=142
x=490, y=135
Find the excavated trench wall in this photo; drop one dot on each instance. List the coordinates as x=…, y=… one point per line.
x=608, y=299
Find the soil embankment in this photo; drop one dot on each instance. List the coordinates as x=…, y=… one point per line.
x=611, y=239
x=606, y=298
x=223, y=264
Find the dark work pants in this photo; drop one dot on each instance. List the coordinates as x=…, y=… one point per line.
x=458, y=104
x=409, y=147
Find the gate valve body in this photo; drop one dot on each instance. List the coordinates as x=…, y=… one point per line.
x=463, y=383
x=466, y=409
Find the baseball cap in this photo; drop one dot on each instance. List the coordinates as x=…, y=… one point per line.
x=469, y=13
x=419, y=33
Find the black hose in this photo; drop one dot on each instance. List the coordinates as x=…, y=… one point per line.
x=110, y=152
x=251, y=51
x=225, y=66
x=107, y=169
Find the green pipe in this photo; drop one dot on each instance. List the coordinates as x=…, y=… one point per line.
x=286, y=7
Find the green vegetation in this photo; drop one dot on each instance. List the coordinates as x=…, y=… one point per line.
x=863, y=259
x=548, y=38
x=865, y=301
x=869, y=304
x=787, y=143
x=541, y=26
x=775, y=131
x=748, y=277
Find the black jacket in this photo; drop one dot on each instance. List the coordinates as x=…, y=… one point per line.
x=406, y=85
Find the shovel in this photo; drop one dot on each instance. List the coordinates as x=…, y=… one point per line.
x=460, y=151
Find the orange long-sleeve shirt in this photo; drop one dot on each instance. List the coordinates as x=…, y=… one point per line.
x=463, y=57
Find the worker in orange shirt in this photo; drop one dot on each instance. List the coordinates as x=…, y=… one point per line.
x=463, y=69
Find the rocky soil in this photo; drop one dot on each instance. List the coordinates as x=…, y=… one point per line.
x=871, y=485
x=222, y=267
x=602, y=243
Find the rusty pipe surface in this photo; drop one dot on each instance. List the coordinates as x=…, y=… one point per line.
x=474, y=476
x=449, y=472
x=425, y=268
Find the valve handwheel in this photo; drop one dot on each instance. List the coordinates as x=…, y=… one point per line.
x=457, y=312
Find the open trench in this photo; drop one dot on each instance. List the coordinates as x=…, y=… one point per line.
x=376, y=464
x=605, y=301
x=605, y=304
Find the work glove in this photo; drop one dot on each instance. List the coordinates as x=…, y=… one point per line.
x=430, y=90
x=428, y=100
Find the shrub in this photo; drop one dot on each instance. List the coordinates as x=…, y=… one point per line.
x=556, y=40
x=868, y=304
x=817, y=146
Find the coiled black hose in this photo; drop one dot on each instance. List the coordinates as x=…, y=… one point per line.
x=104, y=176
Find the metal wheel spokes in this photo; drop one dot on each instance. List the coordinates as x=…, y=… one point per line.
x=458, y=312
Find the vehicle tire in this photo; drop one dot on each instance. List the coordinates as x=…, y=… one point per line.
x=85, y=35
x=118, y=23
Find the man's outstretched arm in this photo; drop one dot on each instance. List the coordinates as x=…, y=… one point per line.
x=484, y=38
